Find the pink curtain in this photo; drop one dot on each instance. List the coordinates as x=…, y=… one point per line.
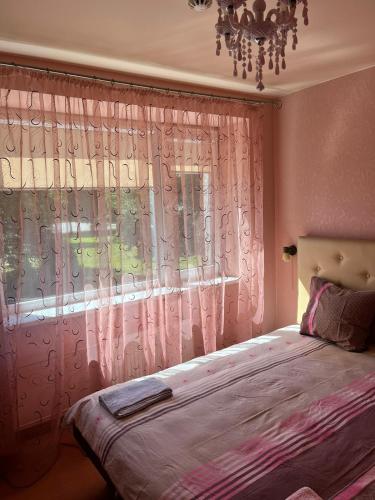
x=131, y=240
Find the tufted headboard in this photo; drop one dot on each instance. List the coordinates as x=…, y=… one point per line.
x=350, y=263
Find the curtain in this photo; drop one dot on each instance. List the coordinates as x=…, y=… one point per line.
x=131, y=240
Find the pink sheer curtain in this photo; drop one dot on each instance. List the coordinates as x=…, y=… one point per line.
x=131, y=240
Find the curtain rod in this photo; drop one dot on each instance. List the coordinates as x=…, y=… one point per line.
x=140, y=86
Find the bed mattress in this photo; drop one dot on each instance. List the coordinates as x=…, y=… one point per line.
x=258, y=420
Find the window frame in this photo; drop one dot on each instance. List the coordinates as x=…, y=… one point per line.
x=188, y=277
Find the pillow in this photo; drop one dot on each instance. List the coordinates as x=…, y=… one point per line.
x=339, y=315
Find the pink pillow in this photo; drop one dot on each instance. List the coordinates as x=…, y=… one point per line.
x=339, y=315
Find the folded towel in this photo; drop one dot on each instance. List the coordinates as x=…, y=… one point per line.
x=134, y=396
x=304, y=494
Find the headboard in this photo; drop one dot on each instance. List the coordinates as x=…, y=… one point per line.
x=350, y=263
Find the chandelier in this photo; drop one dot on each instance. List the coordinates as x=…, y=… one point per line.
x=252, y=36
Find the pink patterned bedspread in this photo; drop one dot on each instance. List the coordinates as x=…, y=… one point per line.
x=259, y=420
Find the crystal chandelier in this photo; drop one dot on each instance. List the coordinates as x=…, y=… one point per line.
x=268, y=32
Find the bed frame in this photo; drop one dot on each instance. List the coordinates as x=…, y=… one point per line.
x=86, y=448
x=348, y=262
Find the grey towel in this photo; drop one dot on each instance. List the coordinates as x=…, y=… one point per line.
x=134, y=396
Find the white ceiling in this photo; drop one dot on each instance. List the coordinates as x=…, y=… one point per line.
x=165, y=39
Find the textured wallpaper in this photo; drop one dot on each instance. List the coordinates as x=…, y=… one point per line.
x=324, y=171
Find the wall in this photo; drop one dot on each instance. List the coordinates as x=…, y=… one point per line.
x=324, y=151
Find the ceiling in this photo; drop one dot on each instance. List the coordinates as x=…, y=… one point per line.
x=165, y=39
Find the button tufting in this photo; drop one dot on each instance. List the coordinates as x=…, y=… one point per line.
x=317, y=269
x=340, y=258
x=367, y=276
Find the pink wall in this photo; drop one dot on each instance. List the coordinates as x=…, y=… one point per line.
x=324, y=161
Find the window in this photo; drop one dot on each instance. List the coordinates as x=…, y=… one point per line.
x=122, y=254
x=66, y=223
x=194, y=208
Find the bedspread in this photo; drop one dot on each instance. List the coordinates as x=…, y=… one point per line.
x=258, y=421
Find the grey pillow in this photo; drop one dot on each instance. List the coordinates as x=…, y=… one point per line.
x=339, y=315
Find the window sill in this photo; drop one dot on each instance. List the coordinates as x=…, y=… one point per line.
x=46, y=313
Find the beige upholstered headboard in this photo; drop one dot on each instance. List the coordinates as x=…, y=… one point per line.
x=350, y=263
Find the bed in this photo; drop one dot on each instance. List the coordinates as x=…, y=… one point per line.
x=259, y=420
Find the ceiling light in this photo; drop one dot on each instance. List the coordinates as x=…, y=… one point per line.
x=200, y=5
x=253, y=36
